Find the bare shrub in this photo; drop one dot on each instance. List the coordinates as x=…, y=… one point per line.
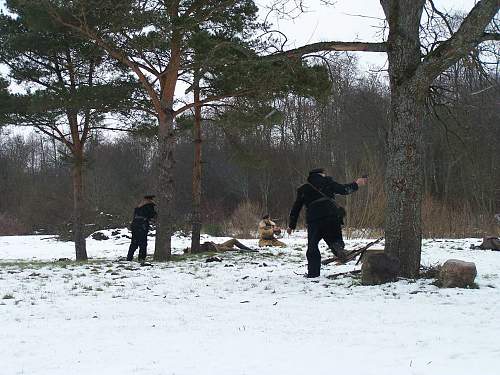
x=245, y=218
x=214, y=221
x=430, y=272
x=366, y=207
x=10, y=226
x=214, y=229
x=441, y=220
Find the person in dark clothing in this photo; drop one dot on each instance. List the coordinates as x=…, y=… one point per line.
x=323, y=216
x=143, y=213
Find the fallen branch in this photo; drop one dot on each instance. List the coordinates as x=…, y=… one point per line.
x=334, y=259
x=335, y=275
x=366, y=248
x=351, y=255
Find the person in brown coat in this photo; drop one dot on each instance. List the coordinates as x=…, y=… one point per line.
x=267, y=231
x=230, y=245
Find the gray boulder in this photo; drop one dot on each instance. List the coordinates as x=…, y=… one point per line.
x=489, y=243
x=379, y=268
x=456, y=273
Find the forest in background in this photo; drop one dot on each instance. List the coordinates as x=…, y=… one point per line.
x=253, y=161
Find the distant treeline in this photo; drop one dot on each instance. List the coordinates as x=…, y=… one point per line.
x=253, y=164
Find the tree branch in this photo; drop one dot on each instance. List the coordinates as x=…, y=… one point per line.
x=59, y=137
x=117, y=54
x=330, y=46
x=469, y=35
x=210, y=99
x=442, y=15
x=113, y=129
x=490, y=36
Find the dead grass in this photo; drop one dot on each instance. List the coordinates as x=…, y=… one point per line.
x=10, y=226
x=245, y=219
x=461, y=220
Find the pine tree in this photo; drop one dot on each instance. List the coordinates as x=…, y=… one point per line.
x=69, y=88
x=5, y=103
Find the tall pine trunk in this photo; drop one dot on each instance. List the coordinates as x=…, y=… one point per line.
x=78, y=205
x=196, y=214
x=165, y=224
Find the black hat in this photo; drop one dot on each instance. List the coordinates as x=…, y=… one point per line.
x=149, y=196
x=317, y=170
x=265, y=216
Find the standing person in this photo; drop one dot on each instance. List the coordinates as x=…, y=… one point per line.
x=267, y=230
x=323, y=216
x=143, y=213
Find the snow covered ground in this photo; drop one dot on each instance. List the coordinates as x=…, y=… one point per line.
x=249, y=314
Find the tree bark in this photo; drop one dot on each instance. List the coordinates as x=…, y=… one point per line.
x=165, y=224
x=166, y=145
x=78, y=205
x=403, y=180
x=196, y=214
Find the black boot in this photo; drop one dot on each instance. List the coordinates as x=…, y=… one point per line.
x=313, y=271
x=338, y=249
x=307, y=276
x=130, y=255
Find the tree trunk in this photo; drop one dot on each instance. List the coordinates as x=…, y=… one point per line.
x=78, y=206
x=196, y=218
x=165, y=224
x=403, y=180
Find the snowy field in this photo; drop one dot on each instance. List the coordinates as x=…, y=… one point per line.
x=249, y=314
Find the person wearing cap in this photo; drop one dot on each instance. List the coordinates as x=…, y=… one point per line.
x=143, y=213
x=324, y=217
x=267, y=230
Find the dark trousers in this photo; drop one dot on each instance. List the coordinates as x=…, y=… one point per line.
x=328, y=229
x=139, y=240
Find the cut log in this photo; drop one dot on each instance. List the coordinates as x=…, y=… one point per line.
x=369, y=252
x=379, y=269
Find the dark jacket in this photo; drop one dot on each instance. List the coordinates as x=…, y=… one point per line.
x=318, y=198
x=142, y=215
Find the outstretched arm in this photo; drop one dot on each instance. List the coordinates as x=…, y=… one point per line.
x=295, y=212
x=345, y=189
